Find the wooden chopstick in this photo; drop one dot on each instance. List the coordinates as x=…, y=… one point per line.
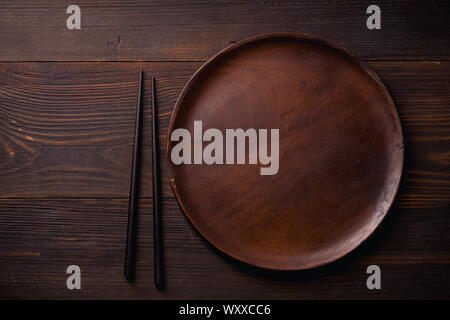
x=130, y=251
x=157, y=223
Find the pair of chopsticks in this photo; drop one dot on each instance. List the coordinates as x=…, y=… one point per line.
x=130, y=253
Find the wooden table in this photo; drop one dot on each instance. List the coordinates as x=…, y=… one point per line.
x=67, y=106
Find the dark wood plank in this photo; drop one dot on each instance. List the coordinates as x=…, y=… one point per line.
x=62, y=136
x=422, y=99
x=82, y=103
x=74, y=139
x=40, y=238
x=185, y=30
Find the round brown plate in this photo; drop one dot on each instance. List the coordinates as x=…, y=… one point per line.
x=340, y=152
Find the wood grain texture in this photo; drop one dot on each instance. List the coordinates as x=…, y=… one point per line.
x=40, y=238
x=66, y=137
x=195, y=30
x=74, y=172
x=54, y=144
